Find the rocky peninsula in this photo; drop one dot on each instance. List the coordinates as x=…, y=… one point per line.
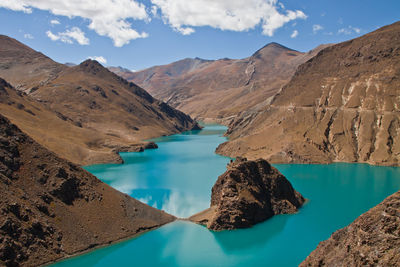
x=51, y=208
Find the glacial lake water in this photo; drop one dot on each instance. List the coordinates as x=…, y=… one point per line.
x=178, y=177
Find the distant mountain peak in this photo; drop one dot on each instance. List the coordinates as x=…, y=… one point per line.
x=272, y=46
x=92, y=66
x=70, y=64
x=90, y=62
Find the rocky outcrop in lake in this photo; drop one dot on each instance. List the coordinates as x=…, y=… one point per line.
x=51, y=208
x=249, y=192
x=373, y=239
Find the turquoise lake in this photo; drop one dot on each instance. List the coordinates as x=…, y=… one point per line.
x=178, y=177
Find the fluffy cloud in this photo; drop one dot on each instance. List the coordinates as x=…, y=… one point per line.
x=349, y=30
x=69, y=36
x=316, y=28
x=15, y=5
x=294, y=34
x=234, y=15
x=28, y=36
x=112, y=18
x=54, y=22
x=106, y=17
x=100, y=59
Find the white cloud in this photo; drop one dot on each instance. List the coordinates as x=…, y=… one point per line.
x=52, y=36
x=344, y=31
x=15, y=5
x=154, y=10
x=54, y=22
x=316, y=28
x=28, y=36
x=107, y=17
x=234, y=15
x=185, y=31
x=294, y=34
x=69, y=36
x=349, y=30
x=99, y=59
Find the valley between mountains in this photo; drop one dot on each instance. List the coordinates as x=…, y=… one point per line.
x=335, y=103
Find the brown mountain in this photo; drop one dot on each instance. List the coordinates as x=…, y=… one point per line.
x=341, y=105
x=120, y=71
x=51, y=208
x=221, y=88
x=103, y=112
x=373, y=239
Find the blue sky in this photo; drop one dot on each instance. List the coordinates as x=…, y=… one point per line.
x=137, y=34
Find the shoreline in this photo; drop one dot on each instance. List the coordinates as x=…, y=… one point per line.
x=104, y=245
x=131, y=237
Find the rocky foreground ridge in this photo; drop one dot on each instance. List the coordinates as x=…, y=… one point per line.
x=51, y=208
x=249, y=192
x=373, y=239
x=341, y=105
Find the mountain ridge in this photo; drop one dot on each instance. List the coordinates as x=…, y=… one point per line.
x=89, y=96
x=339, y=106
x=220, y=89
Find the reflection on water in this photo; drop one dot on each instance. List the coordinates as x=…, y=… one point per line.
x=178, y=178
x=252, y=238
x=180, y=204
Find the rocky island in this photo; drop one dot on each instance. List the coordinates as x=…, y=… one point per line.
x=249, y=192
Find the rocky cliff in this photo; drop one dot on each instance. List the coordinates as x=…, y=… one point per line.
x=249, y=192
x=373, y=239
x=51, y=208
x=220, y=89
x=341, y=105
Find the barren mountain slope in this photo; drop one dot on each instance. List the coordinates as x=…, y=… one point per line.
x=342, y=105
x=57, y=132
x=118, y=114
x=51, y=208
x=373, y=239
x=24, y=67
x=222, y=88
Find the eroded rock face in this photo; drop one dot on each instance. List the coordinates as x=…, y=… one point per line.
x=249, y=192
x=341, y=105
x=373, y=239
x=51, y=208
